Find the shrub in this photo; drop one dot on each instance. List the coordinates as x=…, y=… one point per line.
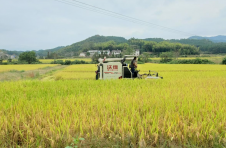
x=18, y=62
x=83, y=62
x=165, y=60
x=67, y=62
x=58, y=62
x=36, y=63
x=193, y=61
x=15, y=62
x=79, y=62
x=76, y=62
x=9, y=60
x=144, y=57
x=4, y=63
x=93, y=62
x=166, y=57
x=224, y=61
x=140, y=62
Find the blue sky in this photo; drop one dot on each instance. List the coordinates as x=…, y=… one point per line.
x=44, y=24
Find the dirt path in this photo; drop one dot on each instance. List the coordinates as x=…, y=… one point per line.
x=31, y=74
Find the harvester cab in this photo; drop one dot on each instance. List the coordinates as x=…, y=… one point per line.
x=116, y=68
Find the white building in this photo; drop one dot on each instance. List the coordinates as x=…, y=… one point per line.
x=116, y=52
x=137, y=52
x=107, y=52
x=1, y=54
x=83, y=54
x=4, y=56
x=92, y=52
x=12, y=57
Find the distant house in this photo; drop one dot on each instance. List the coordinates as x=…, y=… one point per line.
x=83, y=54
x=12, y=57
x=116, y=52
x=4, y=56
x=137, y=52
x=1, y=55
x=92, y=52
x=107, y=52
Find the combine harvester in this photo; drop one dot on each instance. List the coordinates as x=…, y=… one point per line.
x=116, y=68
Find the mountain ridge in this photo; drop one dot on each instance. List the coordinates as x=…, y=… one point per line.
x=77, y=47
x=215, y=39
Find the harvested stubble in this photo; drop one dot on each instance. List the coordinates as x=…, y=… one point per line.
x=185, y=108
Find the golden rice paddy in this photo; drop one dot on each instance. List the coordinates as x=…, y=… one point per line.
x=25, y=67
x=215, y=59
x=48, y=61
x=187, y=109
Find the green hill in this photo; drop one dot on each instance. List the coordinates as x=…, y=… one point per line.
x=89, y=42
x=196, y=42
x=45, y=52
x=17, y=53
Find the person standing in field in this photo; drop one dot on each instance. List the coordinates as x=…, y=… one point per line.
x=133, y=65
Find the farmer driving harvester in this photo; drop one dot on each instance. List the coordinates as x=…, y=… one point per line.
x=133, y=65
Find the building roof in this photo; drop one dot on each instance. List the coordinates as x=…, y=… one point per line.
x=93, y=51
x=116, y=51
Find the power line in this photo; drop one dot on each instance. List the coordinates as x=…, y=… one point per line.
x=94, y=10
x=89, y=7
x=123, y=17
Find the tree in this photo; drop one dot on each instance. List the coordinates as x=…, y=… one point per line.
x=128, y=51
x=29, y=57
x=76, y=54
x=145, y=57
x=9, y=60
x=95, y=58
x=224, y=61
x=87, y=46
x=166, y=57
x=177, y=52
x=87, y=54
x=4, y=57
x=148, y=46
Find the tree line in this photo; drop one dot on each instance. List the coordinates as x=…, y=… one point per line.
x=144, y=46
x=204, y=45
